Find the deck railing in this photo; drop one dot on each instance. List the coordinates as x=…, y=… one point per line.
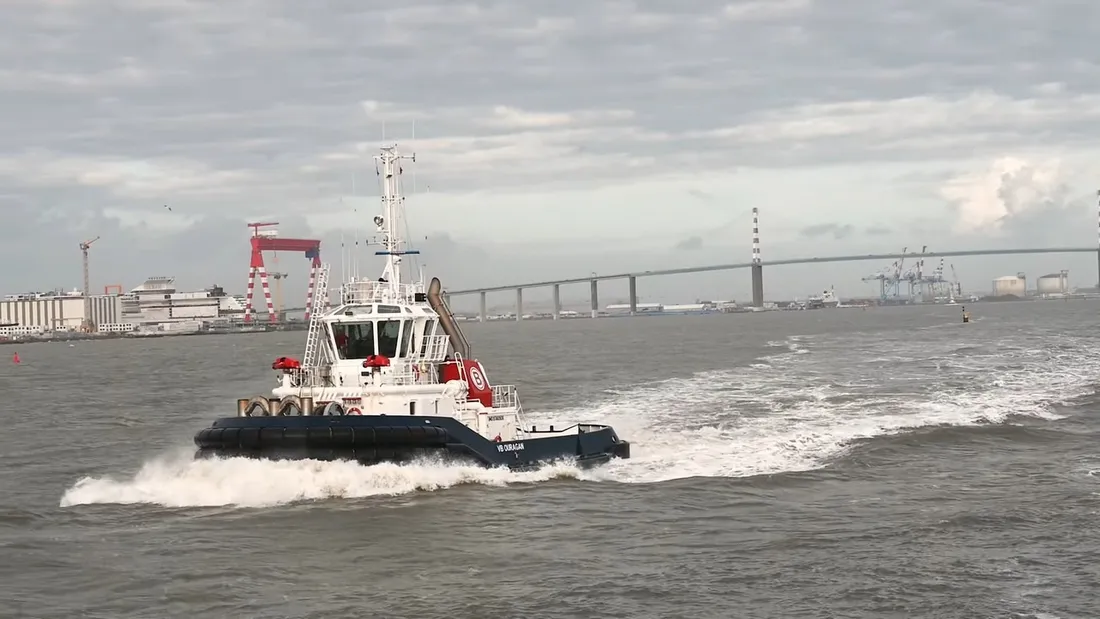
x=367, y=291
x=505, y=396
x=433, y=348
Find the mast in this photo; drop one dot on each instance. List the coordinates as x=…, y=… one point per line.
x=391, y=220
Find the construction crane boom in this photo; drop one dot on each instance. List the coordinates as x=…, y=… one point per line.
x=262, y=224
x=958, y=285
x=88, y=325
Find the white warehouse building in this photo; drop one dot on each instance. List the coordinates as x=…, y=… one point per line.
x=58, y=312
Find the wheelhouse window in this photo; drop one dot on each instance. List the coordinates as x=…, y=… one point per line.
x=354, y=340
x=406, y=338
x=425, y=341
x=389, y=332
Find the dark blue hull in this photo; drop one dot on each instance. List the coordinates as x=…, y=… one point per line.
x=370, y=439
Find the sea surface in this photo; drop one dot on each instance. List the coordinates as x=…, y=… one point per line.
x=888, y=462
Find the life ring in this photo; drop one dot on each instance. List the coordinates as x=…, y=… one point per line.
x=477, y=378
x=354, y=411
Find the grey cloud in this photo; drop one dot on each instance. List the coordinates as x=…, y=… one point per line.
x=701, y=195
x=691, y=243
x=837, y=231
x=259, y=87
x=213, y=250
x=877, y=231
x=234, y=111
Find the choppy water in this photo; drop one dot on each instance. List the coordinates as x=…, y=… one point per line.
x=882, y=463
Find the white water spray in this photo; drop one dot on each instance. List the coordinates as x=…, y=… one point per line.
x=780, y=414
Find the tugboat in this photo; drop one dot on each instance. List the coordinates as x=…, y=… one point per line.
x=388, y=376
x=827, y=300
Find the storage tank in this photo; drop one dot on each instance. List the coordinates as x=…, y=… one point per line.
x=1009, y=285
x=1054, y=283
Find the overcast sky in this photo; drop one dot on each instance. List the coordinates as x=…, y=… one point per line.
x=553, y=139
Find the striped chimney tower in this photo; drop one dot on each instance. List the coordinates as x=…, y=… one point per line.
x=757, y=269
x=755, y=235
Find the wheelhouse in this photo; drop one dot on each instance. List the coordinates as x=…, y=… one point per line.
x=356, y=332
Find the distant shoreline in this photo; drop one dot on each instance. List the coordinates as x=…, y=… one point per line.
x=85, y=337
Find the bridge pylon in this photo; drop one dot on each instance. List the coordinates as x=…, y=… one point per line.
x=757, y=267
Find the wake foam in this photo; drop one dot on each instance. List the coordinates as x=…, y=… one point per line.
x=798, y=410
x=795, y=408
x=179, y=481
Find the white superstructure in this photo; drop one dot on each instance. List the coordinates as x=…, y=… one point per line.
x=158, y=301
x=827, y=300
x=391, y=347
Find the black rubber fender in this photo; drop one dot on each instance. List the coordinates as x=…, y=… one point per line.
x=397, y=436
x=325, y=437
x=341, y=437
x=271, y=436
x=296, y=436
x=230, y=437
x=249, y=438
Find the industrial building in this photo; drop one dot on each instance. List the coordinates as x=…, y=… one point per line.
x=1014, y=285
x=155, y=302
x=57, y=311
x=1053, y=284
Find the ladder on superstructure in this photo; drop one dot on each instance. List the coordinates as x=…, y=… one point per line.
x=313, y=337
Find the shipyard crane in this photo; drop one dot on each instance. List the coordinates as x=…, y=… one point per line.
x=269, y=240
x=889, y=277
x=88, y=325
x=957, y=288
x=915, y=275
x=934, y=283
x=879, y=277
x=264, y=224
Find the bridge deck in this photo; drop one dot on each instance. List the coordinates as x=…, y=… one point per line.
x=745, y=265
